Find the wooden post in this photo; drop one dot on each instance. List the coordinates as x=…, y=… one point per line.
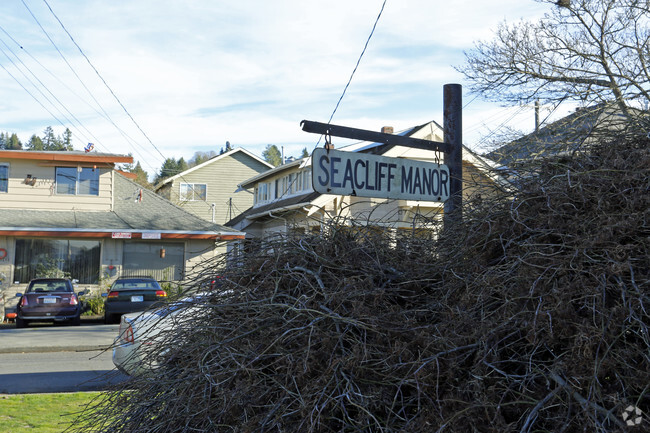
x=453, y=137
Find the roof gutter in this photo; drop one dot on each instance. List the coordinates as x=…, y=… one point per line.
x=282, y=209
x=118, y=234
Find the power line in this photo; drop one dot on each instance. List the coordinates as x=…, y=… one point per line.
x=374, y=26
x=358, y=61
x=105, y=113
x=102, y=113
x=102, y=79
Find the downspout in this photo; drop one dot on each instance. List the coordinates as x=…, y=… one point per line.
x=212, y=207
x=270, y=213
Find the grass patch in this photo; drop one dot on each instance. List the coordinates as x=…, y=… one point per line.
x=42, y=413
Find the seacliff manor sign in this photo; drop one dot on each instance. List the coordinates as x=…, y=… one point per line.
x=358, y=173
x=367, y=175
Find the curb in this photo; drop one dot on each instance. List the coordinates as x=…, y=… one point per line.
x=48, y=349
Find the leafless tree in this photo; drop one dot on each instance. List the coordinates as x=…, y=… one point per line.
x=581, y=50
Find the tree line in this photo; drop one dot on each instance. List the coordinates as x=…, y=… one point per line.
x=49, y=141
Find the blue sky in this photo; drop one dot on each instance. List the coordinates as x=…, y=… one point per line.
x=193, y=74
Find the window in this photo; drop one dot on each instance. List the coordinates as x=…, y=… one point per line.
x=4, y=178
x=262, y=193
x=306, y=179
x=193, y=192
x=77, y=180
x=78, y=259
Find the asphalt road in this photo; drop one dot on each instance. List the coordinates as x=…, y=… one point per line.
x=45, y=372
x=55, y=358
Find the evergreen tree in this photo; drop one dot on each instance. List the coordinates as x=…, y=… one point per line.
x=3, y=140
x=305, y=153
x=67, y=139
x=14, y=143
x=142, y=176
x=49, y=139
x=201, y=157
x=272, y=155
x=181, y=165
x=35, y=143
x=170, y=167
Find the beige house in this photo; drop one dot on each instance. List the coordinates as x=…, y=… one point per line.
x=209, y=190
x=286, y=203
x=74, y=214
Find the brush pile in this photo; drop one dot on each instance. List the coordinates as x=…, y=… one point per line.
x=530, y=315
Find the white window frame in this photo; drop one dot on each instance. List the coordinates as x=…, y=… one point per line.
x=78, y=180
x=262, y=192
x=191, y=187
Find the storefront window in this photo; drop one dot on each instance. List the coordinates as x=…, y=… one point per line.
x=74, y=259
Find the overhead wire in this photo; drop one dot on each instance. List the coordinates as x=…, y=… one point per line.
x=61, y=107
x=102, y=79
x=338, y=103
x=103, y=114
x=101, y=111
x=117, y=99
x=372, y=32
x=74, y=72
x=106, y=115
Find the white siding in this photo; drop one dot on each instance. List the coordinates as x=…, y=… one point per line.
x=42, y=195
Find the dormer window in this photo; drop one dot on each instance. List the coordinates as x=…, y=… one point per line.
x=77, y=180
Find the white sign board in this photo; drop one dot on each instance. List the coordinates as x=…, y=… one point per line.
x=121, y=235
x=364, y=175
x=150, y=235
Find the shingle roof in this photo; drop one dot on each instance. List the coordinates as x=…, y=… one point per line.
x=568, y=134
x=130, y=213
x=278, y=204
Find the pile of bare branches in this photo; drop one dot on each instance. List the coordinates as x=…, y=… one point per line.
x=531, y=315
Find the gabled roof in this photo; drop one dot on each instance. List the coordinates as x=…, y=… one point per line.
x=136, y=210
x=566, y=135
x=212, y=161
x=271, y=173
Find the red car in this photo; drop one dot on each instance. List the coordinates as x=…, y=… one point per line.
x=48, y=299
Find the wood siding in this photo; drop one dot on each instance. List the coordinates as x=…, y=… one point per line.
x=42, y=195
x=221, y=177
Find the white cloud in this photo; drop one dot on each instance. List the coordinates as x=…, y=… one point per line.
x=198, y=73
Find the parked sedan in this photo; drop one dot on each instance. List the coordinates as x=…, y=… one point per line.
x=131, y=294
x=134, y=348
x=48, y=299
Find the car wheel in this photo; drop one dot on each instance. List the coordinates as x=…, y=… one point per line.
x=76, y=321
x=21, y=323
x=109, y=319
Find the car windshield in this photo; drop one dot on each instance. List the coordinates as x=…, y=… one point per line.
x=135, y=284
x=49, y=286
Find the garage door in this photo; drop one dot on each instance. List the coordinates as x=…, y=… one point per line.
x=163, y=261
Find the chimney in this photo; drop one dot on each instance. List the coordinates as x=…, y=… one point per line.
x=387, y=129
